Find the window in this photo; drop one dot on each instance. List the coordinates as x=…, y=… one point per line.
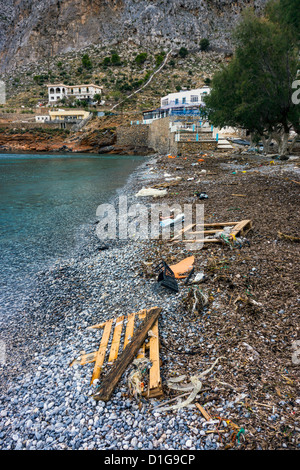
x=52, y=91
x=57, y=90
x=194, y=99
x=184, y=100
x=176, y=100
x=165, y=102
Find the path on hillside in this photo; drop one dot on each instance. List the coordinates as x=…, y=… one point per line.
x=147, y=83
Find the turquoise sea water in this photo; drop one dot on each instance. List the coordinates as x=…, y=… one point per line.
x=45, y=203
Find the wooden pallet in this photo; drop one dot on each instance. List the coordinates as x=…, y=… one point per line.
x=110, y=350
x=239, y=228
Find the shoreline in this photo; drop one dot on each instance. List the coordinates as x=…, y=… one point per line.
x=49, y=404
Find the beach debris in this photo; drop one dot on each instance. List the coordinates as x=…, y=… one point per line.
x=144, y=192
x=137, y=376
x=200, y=277
x=196, y=299
x=195, y=386
x=110, y=347
x=166, y=277
x=248, y=301
x=221, y=233
x=288, y=237
x=201, y=195
x=129, y=354
x=182, y=268
x=171, y=222
x=204, y=412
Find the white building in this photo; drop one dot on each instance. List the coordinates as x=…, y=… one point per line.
x=42, y=118
x=80, y=92
x=185, y=98
x=184, y=102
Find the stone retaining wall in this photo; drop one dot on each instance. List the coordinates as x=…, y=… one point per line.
x=193, y=148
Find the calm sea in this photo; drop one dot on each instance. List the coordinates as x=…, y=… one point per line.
x=46, y=201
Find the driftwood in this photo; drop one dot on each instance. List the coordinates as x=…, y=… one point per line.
x=129, y=353
x=288, y=237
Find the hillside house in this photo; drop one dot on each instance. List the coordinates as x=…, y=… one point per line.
x=68, y=115
x=184, y=102
x=81, y=92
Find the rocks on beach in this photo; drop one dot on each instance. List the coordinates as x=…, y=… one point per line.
x=45, y=404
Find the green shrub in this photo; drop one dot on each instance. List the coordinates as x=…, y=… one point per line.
x=204, y=44
x=183, y=52
x=141, y=58
x=86, y=61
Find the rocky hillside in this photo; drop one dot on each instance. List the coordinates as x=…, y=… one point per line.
x=31, y=30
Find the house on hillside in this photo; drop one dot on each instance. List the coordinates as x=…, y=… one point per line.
x=81, y=92
x=184, y=102
x=68, y=115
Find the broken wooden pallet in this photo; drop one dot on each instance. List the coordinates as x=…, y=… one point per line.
x=238, y=228
x=112, y=349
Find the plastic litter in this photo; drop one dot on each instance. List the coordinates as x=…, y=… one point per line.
x=151, y=192
x=201, y=195
x=135, y=378
x=172, y=222
x=166, y=277
x=182, y=268
x=200, y=277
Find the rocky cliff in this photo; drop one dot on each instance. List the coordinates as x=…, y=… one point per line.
x=35, y=29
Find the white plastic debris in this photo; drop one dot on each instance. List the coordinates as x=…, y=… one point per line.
x=151, y=192
x=168, y=222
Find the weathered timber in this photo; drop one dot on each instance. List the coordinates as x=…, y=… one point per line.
x=129, y=353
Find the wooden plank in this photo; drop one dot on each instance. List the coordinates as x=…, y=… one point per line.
x=205, y=240
x=129, y=353
x=102, y=350
x=207, y=231
x=97, y=326
x=182, y=231
x=116, y=339
x=221, y=224
x=241, y=227
x=218, y=226
x=204, y=412
x=129, y=329
x=155, y=386
x=142, y=350
x=85, y=359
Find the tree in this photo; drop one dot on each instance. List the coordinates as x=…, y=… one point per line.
x=204, y=44
x=255, y=90
x=97, y=97
x=106, y=61
x=86, y=61
x=115, y=59
x=159, y=58
x=141, y=58
x=287, y=14
x=183, y=52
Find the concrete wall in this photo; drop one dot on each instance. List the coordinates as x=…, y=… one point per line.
x=160, y=137
x=193, y=148
x=156, y=137
x=135, y=137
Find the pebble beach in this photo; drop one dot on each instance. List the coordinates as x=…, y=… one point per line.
x=47, y=404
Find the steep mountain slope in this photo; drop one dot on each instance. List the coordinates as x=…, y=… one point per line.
x=35, y=29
